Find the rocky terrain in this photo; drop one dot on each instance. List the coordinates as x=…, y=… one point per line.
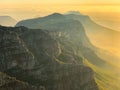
x=70, y=29
x=46, y=60
x=73, y=29
x=10, y=83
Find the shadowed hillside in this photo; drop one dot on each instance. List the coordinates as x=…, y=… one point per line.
x=44, y=59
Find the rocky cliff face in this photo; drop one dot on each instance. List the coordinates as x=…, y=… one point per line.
x=11, y=83
x=43, y=58
x=13, y=52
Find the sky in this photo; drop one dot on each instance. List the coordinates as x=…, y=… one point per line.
x=63, y=1
x=22, y=9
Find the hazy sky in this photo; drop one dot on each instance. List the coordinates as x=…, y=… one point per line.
x=20, y=9
x=63, y=1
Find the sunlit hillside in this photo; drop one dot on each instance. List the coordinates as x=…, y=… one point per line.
x=110, y=79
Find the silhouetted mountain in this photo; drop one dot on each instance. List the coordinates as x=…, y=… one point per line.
x=48, y=59
x=7, y=21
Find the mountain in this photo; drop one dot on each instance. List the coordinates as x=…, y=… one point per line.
x=73, y=27
x=100, y=36
x=7, y=21
x=43, y=58
x=68, y=28
x=108, y=40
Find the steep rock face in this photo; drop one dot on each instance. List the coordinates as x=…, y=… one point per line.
x=55, y=66
x=10, y=83
x=13, y=52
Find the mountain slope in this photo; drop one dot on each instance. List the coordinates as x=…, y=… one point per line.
x=69, y=28
x=100, y=36
x=73, y=34
x=7, y=21
x=107, y=39
x=55, y=66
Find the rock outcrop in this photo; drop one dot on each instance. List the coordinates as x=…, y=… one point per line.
x=10, y=83
x=13, y=52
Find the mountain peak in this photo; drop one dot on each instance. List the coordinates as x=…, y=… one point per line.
x=58, y=14
x=55, y=15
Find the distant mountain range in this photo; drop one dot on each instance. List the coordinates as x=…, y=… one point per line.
x=7, y=21
x=72, y=27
